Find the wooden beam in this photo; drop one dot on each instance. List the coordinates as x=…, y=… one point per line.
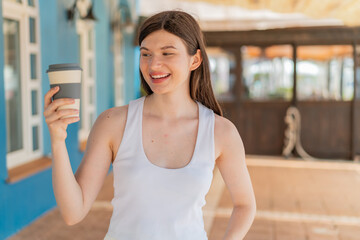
x=299, y=36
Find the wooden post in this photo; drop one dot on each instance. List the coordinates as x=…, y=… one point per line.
x=294, y=98
x=238, y=85
x=353, y=108
x=328, y=76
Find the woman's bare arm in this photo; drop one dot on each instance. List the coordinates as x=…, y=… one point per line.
x=232, y=166
x=99, y=153
x=75, y=193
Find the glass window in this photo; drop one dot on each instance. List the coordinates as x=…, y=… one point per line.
x=32, y=30
x=91, y=95
x=348, y=79
x=91, y=120
x=90, y=40
x=34, y=102
x=87, y=61
x=325, y=72
x=13, y=86
x=268, y=72
x=35, y=137
x=90, y=68
x=33, y=65
x=222, y=71
x=31, y=3
x=81, y=122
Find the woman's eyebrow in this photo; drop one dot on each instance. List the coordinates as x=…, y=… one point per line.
x=163, y=48
x=167, y=47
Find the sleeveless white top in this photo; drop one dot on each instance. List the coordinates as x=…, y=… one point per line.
x=156, y=203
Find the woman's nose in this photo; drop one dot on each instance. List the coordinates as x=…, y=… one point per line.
x=156, y=62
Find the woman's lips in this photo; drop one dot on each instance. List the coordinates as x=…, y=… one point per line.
x=160, y=79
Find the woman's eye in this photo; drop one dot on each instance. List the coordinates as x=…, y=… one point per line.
x=145, y=55
x=167, y=54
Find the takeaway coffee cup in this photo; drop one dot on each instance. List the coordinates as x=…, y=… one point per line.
x=68, y=77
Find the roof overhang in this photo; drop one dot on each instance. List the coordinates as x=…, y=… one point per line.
x=232, y=15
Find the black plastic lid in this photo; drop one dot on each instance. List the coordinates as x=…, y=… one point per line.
x=64, y=67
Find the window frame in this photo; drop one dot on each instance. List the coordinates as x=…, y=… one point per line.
x=82, y=28
x=119, y=78
x=21, y=12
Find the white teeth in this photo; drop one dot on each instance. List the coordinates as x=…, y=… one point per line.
x=160, y=76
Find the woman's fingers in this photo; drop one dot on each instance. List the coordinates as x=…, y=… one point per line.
x=60, y=114
x=49, y=95
x=70, y=120
x=64, y=122
x=57, y=118
x=51, y=106
x=57, y=103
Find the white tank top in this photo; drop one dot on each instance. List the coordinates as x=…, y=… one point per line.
x=156, y=203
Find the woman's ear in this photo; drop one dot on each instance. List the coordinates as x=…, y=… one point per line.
x=196, y=60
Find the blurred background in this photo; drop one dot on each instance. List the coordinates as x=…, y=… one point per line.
x=286, y=72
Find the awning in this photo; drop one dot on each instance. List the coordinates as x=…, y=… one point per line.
x=234, y=15
x=345, y=10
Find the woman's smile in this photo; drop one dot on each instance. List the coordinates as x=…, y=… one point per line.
x=159, y=77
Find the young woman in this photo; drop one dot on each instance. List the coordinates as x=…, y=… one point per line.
x=163, y=147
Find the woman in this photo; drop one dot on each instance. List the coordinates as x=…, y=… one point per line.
x=163, y=147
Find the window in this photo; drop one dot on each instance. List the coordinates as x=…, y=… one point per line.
x=22, y=81
x=118, y=52
x=325, y=72
x=86, y=36
x=222, y=71
x=118, y=67
x=268, y=72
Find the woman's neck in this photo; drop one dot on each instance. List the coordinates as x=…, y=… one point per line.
x=170, y=106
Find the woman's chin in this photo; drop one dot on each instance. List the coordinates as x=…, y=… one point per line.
x=159, y=91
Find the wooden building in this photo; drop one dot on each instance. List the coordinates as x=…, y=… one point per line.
x=330, y=118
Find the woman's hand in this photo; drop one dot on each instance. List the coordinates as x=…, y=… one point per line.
x=54, y=117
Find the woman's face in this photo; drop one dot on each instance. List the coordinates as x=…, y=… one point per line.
x=165, y=63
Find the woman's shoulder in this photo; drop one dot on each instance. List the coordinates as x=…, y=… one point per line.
x=227, y=138
x=111, y=123
x=222, y=123
x=116, y=115
x=223, y=126
x=113, y=118
x=224, y=129
x=114, y=112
